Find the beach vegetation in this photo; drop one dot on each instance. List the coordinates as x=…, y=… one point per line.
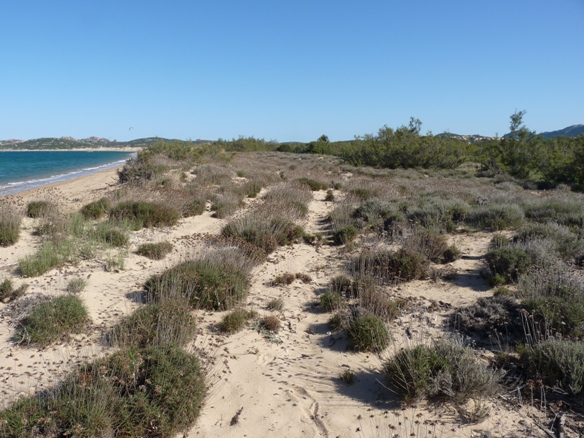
x=140, y=214
x=10, y=222
x=165, y=323
x=445, y=370
x=76, y=285
x=53, y=320
x=208, y=283
x=37, y=209
x=151, y=392
x=155, y=251
x=96, y=209
x=236, y=320
x=368, y=333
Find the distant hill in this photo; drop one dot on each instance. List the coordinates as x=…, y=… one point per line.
x=570, y=131
x=84, y=143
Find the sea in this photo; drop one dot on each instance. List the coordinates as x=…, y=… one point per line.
x=24, y=170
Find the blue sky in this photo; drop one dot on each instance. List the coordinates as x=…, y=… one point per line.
x=286, y=70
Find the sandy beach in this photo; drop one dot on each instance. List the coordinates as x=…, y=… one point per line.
x=257, y=388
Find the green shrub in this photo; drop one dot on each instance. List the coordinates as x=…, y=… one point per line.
x=109, y=235
x=561, y=314
x=154, y=392
x=330, y=196
x=36, y=209
x=164, y=323
x=155, y=251
x=557, y=362
x=507, y=263
x=344, y=235
x=76, y=285
x=235, y=320
x=331, y=301
x=496, y=217
x=54, y=319
x=450, y=254
x=6, y=288
x=96, y=209
x=446, y=370
x=368, y=333
x=8, y=293
x=144, y=214
x=207, y=283
x=402, y=265
x=194, y=208
x=9, y=226
x=314, y=185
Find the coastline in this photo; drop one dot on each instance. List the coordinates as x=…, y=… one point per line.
x=130, y=149
x=20, y=187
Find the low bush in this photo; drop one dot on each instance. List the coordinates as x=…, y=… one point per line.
x=491, y=318
x=402, y=265
x=266, y=235
x=344, y=235
x=235, y=320
x=558, y=315
x=109, y=235
x=207, y=283
x=9, y=226
x=144, y=214
x=330, y=196
x=446, y=370
x=271, y=323
x=432, y=245
x=6, y=288
x=341, y=285
x=76, y=285
x=561, y=210
x=496, y=216
x=8, y=293
x=557, y=362
x=498, y=241
x=54, y=319
x=276, y=304
x=153, y=392
x=331, y=301
x=314, y=185
x=368, y=333
x=285, y=278
x=507, y=263
x=96, y=209
x=378, y=303
x=155, y=251
x=36, y=209
x=164, y=323
x=194, y=207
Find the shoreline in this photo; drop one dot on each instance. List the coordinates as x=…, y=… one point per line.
x=129, y=149
x=76, y=190
x=55, y=180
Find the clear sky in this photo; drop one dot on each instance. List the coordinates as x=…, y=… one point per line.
x=286, y=70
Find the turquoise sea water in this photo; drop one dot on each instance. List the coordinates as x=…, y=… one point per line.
x=21, y=171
